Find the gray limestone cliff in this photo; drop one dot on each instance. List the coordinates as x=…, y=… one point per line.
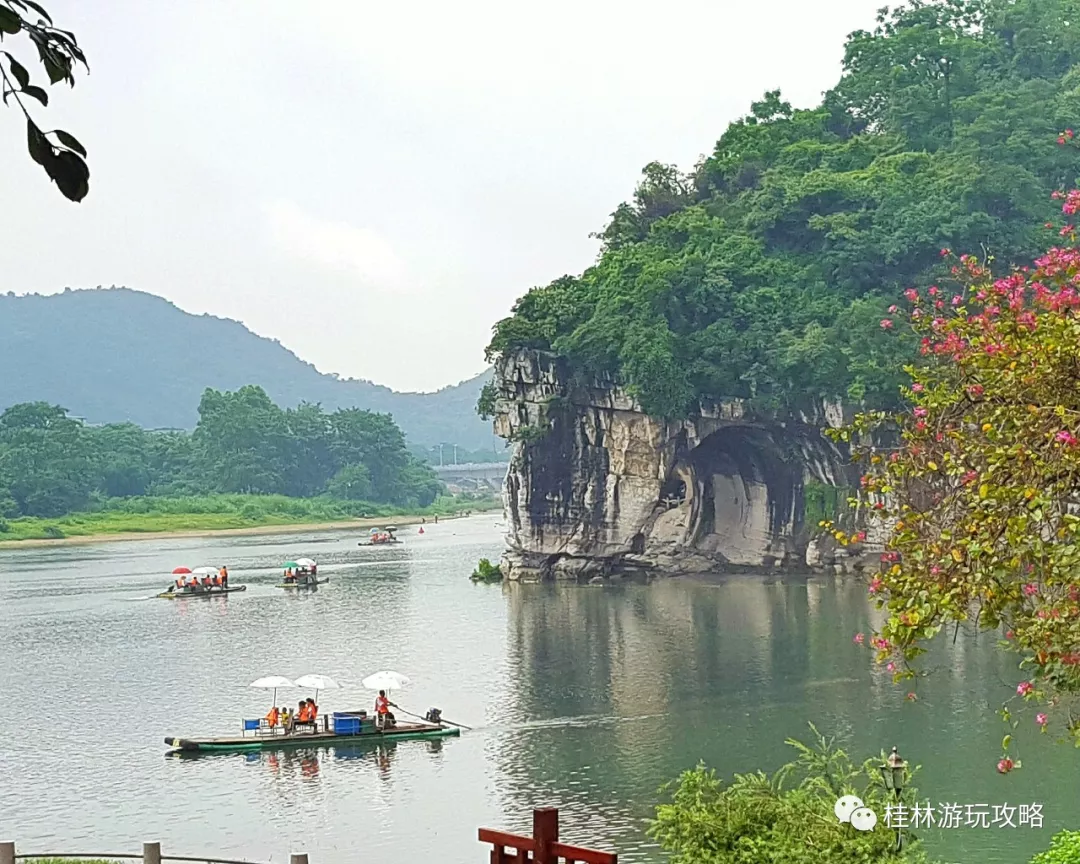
x=597, y=488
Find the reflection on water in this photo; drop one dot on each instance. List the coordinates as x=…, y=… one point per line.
x=580, y=697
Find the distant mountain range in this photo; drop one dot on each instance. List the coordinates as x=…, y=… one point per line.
x=118, y=355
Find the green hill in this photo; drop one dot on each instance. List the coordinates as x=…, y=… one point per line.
x=764, y=273
x=120, y=355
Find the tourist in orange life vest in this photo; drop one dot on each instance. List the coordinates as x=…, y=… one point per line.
x=273, y=717
x=313, y=711
x=383, y=715
x=223, y=575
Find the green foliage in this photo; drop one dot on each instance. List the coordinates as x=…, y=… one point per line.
x=778, y=819
x=52, y=464
x=528, y=434
x=485, y=404
x=761, y=275
x=1064, y=849
x=58, y=152
x=823, y=503
x=486, y=572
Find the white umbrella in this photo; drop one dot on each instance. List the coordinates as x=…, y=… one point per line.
x=385, y=681
x=272, y=682
x=317, y=683
x=305, y=562
x=205, y=571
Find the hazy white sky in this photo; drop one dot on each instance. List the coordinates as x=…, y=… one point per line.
x=374, y=184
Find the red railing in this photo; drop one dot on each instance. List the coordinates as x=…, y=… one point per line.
x=543, y=847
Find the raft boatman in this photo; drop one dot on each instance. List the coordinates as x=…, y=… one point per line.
x=383, y=714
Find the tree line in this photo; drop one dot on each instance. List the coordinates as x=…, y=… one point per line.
x=761, y=274
x=52, y=464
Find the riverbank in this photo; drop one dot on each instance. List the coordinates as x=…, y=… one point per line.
x=111, y=526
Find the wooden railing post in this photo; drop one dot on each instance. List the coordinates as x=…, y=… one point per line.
x=7, y=853
x=151, y=853
x=298, y=858
x=545, y=834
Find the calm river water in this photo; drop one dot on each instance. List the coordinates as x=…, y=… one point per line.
x=583, y=698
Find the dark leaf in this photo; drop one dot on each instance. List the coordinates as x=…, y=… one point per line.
x=59, y=68
x=56, y=65
x=10, y=22
x=18, y=70
x=37, y=93
x=37, y=8
x=38, y=145
x=70, y=173
x=70, y=141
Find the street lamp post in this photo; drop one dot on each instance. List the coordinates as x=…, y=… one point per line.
x=893, y=773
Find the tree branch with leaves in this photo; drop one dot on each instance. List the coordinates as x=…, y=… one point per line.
x=57, y=151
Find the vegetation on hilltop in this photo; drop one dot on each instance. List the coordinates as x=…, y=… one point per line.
x=762, y=273
x=116, y=355
x=52, y=464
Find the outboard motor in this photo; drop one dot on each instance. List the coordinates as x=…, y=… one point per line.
x=434, y=715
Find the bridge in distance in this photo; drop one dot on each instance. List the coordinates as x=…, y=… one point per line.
x=491, y=473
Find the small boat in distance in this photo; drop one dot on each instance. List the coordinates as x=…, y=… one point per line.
x=200, y=582
x=385, y=537
x=301, y=573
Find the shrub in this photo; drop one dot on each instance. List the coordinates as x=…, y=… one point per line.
x=758, y=819
x=1064, y=849
x=486, y=572
x=52, y=532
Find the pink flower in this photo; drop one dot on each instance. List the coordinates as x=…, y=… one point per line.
x=957, y=300
x=859, y=638
x=1040, y=719
x=1024, y=688
x=890, y=667
x=886, y=324
x=876, y=585
x=893, y=310
x=911, y=697
x=1008, y=634
x=975, y=389
x=859, y=537
x=1066, y=437
x=1031, y=589
x=945, y=253
x=911, y=294
x=1005, y=765
x=933, y=291
x=917, y=388
x=921, y=412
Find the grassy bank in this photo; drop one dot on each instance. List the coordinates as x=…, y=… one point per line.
x=231, y=513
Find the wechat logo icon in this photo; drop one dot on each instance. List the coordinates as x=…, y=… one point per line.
x=852, y=810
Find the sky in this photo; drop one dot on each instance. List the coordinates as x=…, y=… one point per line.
x=375, y=184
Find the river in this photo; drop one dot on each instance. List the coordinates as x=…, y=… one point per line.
x=585, y=698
